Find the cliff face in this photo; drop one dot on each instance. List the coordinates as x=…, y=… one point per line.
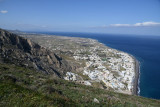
x=23, y=52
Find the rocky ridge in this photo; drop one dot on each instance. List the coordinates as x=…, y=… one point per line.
x=24, y=52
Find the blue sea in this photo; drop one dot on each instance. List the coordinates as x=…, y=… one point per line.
x=145, y=48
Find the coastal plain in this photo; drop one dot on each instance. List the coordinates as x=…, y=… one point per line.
x=96, y=64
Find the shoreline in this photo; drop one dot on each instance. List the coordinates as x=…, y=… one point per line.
x=136, y=89
x=136, y=78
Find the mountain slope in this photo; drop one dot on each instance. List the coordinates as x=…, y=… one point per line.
x=21, y=51
x=21, y=86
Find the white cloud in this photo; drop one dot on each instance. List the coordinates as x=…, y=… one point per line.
x=119, y=25
x=136, y=25
x=3, y=11
x=147, y=24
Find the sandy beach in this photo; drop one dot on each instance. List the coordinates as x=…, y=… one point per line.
x=136, y=79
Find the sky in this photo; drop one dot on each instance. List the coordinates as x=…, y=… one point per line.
x=140, y=17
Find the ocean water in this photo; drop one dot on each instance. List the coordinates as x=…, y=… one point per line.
x=145, y=48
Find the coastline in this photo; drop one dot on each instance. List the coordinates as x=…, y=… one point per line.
x=136, y=78
x=136, y=89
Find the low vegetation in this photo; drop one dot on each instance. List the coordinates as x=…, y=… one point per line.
x=25, y=87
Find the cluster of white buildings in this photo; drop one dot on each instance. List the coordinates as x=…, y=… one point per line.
x=117, y=75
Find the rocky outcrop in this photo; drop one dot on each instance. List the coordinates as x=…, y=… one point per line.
x=23, y=52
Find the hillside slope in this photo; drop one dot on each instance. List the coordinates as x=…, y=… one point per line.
x=21, y=51
x=21, y=86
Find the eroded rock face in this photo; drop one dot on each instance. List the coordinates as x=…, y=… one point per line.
x=23, y=52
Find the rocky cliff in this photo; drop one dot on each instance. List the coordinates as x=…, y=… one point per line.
x=23, y=52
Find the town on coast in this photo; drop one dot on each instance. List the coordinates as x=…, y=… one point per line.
x=98, y=65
